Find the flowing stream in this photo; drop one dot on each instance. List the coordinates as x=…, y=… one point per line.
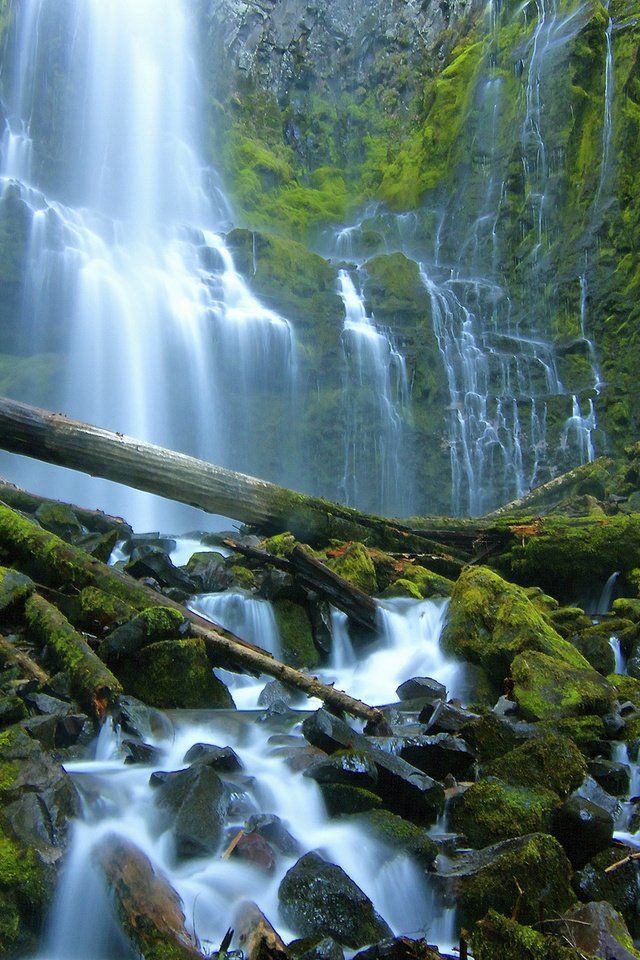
x=117, y=798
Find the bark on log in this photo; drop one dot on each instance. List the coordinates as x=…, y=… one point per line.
x=52, y=437
x=17, y=658
x=49, y=559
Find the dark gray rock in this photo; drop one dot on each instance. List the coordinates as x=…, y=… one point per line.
x=223, y=759
x=349, y=767
x=404, y=789
x=583, y=828
x=441, y=717
x=317, y=898
x=598, y=930
x=614, y=777
x=271, y=827
x=422, y=687
x=197, y=801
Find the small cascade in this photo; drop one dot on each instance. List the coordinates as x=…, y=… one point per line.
x=376, y=398
x=119, y=800
x=131, y=293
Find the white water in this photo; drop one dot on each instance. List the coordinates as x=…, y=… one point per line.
x=130, y=283
x=118, y=799
x=376, y=402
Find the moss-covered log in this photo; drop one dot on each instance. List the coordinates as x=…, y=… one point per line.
x=36, y=433
x=92, y=682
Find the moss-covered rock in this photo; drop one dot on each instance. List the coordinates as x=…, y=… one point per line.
x=296, y=635
x=24, y=897
x=342, y=798
x=532, y=871
x=550, y=762
x=174, y=674
x=400, y=834
x=490, y=621
x=15, y=587
x=402, y=588
x=490, y=811
x=497, y=937
x=548, y=688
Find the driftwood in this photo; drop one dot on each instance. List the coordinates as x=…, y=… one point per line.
x=56, y=439
x=60, y=565
x=9, y=654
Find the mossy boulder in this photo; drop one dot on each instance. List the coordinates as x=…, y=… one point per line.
x=497, y=937
x=593, y=643
x=296, y=635
x=24, y=897
x=490, y=811
x=152, y=625
x=490, y=736
x=354, y=564
x=549, y=762
x=15, y=587
x=400, y=834
x=618, y=887
x=490, y=621
x=532, y=871
x=429, y=584
x=548, y=688
x=342, y=798
x=402, y=588
x=174, y=674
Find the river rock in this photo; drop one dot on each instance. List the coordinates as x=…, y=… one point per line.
x=436, y=755
x=552, y=762
x=317, y=898
x=223, y=759
x=255, y=936
x=490, y=811
x=271, y=827
x=197, y=801
x=532, y=871
x=15, y=587
x=489, y=621
x=311, y=948
x=404, y=789
x=548, y=688
x=441, y=717
x=618, y=886
x=345, y=767
x=400, y=948
x=396, y=834
x=599, y=930
x=583, y=828
x=614, y=777
x=149, y=626
x=149, y=908
x=422, y=687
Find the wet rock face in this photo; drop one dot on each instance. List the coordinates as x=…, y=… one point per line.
x=318, y=898
x=197, y=801
x=281, y=46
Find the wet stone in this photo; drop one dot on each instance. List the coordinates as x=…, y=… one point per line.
x=583, y=828
x=271, y=827
x=421, y=688
x=614, y=777
x=197, y=802
x=223, y=759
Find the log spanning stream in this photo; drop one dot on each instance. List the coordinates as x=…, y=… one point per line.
x=120, y=801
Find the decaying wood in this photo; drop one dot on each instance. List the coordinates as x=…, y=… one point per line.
x=60, y=565
x=621, y=863
x=95, y=520
x=552, y=489
x=56, y=439
x=9, y=654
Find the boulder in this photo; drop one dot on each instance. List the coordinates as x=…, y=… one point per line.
x=598, y=929
x=583, y=828
x=441, y=717
x=223, y=759
x=489, y=621
x=403, y=788
x=273, y=830
x=312, y=948
x=317, y=898
x=419, y=687
x=149, y=626
x=148, y=907
x=436, y=755
x=24, y=897
x=490, y=811
x=531, y=871
x=351, y=767
x=548, y=688
x=619, y=886
x=196, y=801
x=496, y=937
x=400, y=948
x=174, y=674
x=550, y=762
x=15, y=588
x=398, y=834
x=353, y=563
x=613, y=776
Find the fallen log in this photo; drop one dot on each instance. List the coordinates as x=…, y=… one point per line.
x=60, y=565
x=13, y=657
x=56, y=439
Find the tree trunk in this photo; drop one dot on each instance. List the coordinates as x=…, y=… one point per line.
x=36, y=433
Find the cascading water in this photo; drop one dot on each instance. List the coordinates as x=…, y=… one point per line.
x=211, y=888
x=376, y=401
x=131, y=293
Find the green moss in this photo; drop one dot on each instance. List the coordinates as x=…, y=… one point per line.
x=22, y=895
x=103, y=610
x=549, y=762
x=400, y=834
x=490, y=811
x=490, y=621
x=343, y=798
x=497, y=937
x=281, y=545
x=402, y=588
x=548, y=689
x=175, y=674
x=354, y=564
x=245, y=578
x=532, y=871
x=296, y=637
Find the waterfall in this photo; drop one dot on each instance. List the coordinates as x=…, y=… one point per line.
x=376, y=398
x=118, y=799
x=131, y=294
